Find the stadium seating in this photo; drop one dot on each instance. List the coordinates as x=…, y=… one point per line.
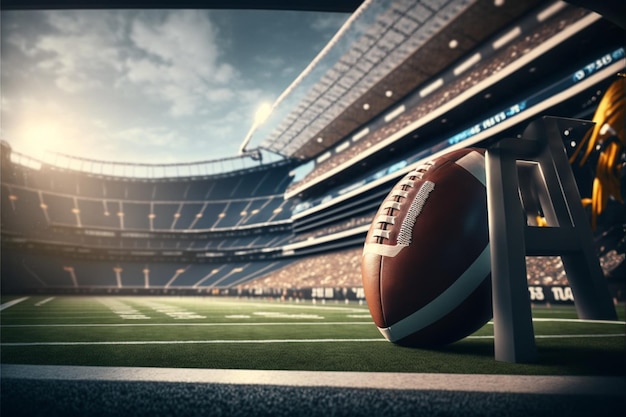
x=40, y=272
x=49, y=215
x=73, y=230
x=335, y=269
x=418, y=109
x=81, y=200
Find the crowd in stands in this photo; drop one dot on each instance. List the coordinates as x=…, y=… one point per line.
x=548, y=270
x=441, y=97
x=611, y=260
x=30, y=271
x=341, y=226
x=259, y=182
x=336, y=269
x=35, y=199
x=545, y=270
x=343, y=269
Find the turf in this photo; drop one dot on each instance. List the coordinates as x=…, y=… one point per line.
x=207, y=332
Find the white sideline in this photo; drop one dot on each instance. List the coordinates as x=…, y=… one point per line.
x=255, y=324
x=47, y=300
x=524, y=384
x=269, y=341
x=12, y=303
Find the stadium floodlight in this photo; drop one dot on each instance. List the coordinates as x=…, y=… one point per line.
x=303, y=74
x=262, y=114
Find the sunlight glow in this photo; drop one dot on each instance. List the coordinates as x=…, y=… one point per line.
x=262, y=113
x=34, y=139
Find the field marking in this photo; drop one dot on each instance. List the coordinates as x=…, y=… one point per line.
x=273, y=323
x=587, y=336
x=290, y=323
x=522, y=384
x=190, y=342
x=541, y=319
x=47, y=300
x=276, y=314
x=561, y=336
x=269, y=304
x=270, y=341
x=173, y=311
x=581, y=321
x=12, y=303
x=122, y=310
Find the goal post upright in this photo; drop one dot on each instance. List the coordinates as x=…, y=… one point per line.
x=540, y=155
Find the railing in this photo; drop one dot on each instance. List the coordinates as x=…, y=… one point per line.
x=251, y=159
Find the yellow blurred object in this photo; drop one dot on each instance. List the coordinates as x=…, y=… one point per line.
x=608, y=137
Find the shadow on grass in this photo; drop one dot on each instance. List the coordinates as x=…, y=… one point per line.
x=479, y=348
x=584, y=360
x=558, y=357
x=470, y=347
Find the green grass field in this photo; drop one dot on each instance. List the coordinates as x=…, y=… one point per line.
x=206, y=332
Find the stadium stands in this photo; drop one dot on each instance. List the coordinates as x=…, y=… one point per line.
x=57, y=197
x=71, y=230
x=335, y=269
x=37, y=272
x=253, y=230
x=397, y=46
x=419, y=109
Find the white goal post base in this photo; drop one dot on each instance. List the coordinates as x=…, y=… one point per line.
x=526, y=177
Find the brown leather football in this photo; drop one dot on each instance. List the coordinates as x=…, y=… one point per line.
x=426, y=265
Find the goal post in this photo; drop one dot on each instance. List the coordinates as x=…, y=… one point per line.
x=538, y=160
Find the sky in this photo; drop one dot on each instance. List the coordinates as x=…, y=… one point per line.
x=148, y=86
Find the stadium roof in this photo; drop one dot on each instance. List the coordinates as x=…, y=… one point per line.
x=390, y=49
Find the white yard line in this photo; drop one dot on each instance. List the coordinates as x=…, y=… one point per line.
x=543, y=384
x=312, y=323
x=561, y=336
x=47, y=300
x=269, y=341
x=270, y=304
x=190, y=342
x=581, y=321
x=621, y=323
x=574, y=321
x=12, y=303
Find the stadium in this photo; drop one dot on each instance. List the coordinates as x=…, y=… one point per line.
x=234, y=287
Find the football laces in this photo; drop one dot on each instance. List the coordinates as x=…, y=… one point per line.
x=397, y=198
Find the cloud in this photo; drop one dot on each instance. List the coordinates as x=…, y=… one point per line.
x=150, y=85
x=173, y=57
x=164, y=144
x=184, y=37
x=219, y=95
x=270, y=61
x=80, y=51
x=251, y=96
x=329, y=22
x=179, y=61
x=152, y=137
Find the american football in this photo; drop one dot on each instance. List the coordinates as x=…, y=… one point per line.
x=426, y=262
